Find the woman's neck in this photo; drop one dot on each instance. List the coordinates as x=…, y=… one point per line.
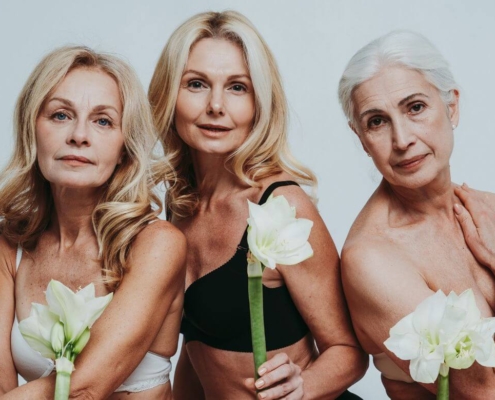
x=213, y=177
x=72, y=221
x=435, y=198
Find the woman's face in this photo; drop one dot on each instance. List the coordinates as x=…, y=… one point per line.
x=215, y=104
x=78, y=130
x=404, y=125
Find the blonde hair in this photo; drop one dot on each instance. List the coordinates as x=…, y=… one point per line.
x=26, y=202
x=265, y=152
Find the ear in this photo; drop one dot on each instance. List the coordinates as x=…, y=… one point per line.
x=359, y=137
x=453, y=108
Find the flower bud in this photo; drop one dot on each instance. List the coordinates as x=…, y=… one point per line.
x=57, y=337
x=81, y=342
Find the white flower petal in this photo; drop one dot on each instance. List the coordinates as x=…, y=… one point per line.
x=36, y=330
x=404, y=342
x=294, y=256
x=426, y=369
x=275, y=236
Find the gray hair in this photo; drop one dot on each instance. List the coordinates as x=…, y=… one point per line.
x=403, y=48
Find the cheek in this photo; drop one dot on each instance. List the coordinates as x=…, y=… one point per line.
x=188, y=107
x=244, y=113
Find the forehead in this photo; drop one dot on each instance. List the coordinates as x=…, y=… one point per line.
x=389, y=86
x=217, y=54
x=88, y=86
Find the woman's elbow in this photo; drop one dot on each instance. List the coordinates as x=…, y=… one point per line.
x=85, y=393
x=359, y=362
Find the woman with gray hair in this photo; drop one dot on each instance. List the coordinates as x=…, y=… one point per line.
x=414, y=236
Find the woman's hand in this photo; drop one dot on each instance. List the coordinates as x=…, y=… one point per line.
x=279, y=378
x=477, y=219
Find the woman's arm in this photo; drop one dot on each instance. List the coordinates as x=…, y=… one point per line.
x=315, y=287
x=476, y=216
x=186, y=382
x=125, y=331
x=381, y=288
x=8, y=374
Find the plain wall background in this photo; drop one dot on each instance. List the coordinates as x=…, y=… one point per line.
x=312, y=41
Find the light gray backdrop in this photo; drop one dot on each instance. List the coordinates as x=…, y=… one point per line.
x=312, y=41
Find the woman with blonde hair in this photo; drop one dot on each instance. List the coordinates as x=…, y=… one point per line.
x=77, y=206
x=413, y=236
x=220, y=109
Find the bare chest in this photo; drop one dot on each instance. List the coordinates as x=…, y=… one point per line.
x=445, y=261
x=212, y=241
x=75, y=270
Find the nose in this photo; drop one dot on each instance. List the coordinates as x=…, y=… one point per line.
x=79, y=134
x=216, y=104
x=403, y=135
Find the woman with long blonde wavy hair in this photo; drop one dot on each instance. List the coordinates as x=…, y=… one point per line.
x=221, y=112
x=77, y=206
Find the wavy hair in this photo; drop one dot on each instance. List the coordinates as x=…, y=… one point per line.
x=265, y=152
x=403, y=48
x=127, y=203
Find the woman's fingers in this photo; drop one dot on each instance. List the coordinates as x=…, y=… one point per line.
x=477, y=220
x=281, y=378
x=276, y=361
x=286, y=391
x=467, y=224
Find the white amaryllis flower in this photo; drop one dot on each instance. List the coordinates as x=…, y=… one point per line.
x=77, y=311
x=36, y=329
x=443, y=331
x=61, y=330
x=275, y=235
x=474, y=341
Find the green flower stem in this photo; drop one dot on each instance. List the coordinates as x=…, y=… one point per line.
x=62, y=386
x=255, y=289
x=64, y=369
x=443, y=387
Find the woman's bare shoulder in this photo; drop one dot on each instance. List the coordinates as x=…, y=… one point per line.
x=160, y=241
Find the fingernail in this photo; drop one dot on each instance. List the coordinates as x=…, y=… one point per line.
x=262, y=395
x=457, y=208
x=261, y=371
x=260, y=383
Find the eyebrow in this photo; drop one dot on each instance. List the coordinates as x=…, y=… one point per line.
x=411, y=96
x=95, y=109
x=401, y=103
x=236, y=76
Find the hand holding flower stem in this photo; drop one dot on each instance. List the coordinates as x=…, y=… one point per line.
x=275, y=236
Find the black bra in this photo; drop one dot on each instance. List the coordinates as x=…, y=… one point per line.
x=216, y=307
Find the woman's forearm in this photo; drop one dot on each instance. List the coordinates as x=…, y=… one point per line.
x=39, y=389
x=333, y=372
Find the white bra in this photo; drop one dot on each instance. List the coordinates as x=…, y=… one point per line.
x=389, y=369
x=153, y=370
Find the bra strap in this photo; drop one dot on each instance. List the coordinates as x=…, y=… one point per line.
x=18, y=256
x=269, y=190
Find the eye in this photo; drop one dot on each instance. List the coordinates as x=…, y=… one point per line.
x=196, y=85
x=59, y=116
x=417, y=108
x=375, y=122
x=104, y=122
x=238, y=88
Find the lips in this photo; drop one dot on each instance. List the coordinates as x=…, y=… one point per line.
x=214, y=128
x=80, y=159
x=410, y=162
